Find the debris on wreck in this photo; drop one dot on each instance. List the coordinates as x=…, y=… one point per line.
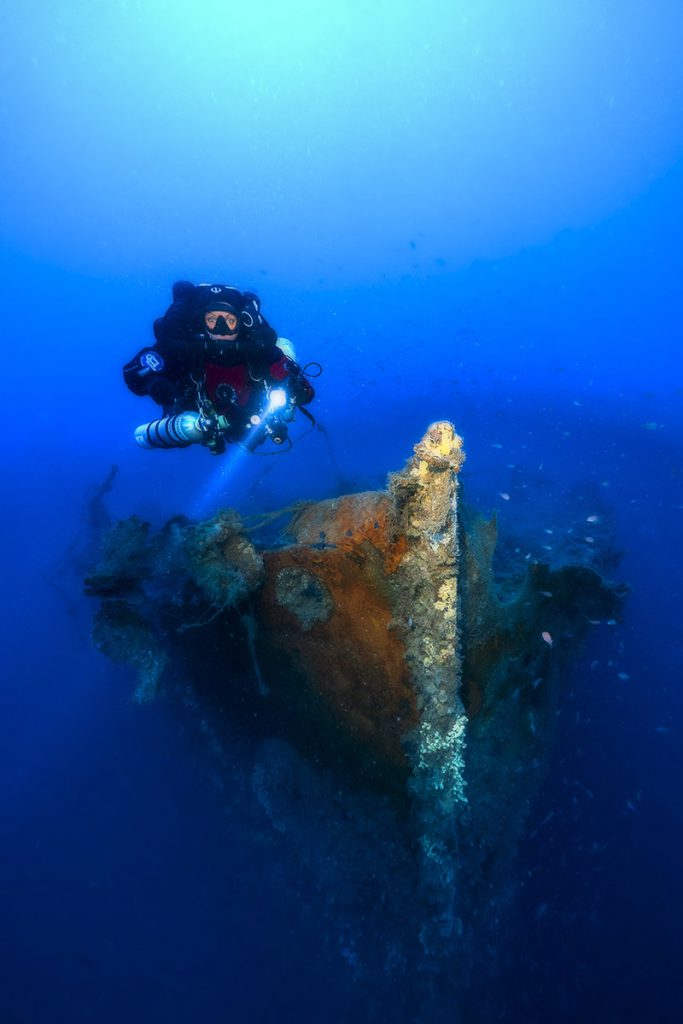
x=377, y=668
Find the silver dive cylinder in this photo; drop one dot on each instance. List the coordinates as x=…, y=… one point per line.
x=178, y=431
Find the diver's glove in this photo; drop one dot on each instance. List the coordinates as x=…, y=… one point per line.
x=213, y=428
x=215, y=443
x=299, y=388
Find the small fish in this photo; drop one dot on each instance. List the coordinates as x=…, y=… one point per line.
x=623, y=675
x=537, y=682
x=504, y=495
x=589, y=540
x=546, y=593
x=662, y=729
x=650, y=426
x=541, y=911
x=592, y=519
x=494, y=445
x=546, y=530
x=547, y=637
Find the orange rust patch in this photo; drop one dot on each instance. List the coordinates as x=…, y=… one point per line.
x=353, y=659
x=349, y=521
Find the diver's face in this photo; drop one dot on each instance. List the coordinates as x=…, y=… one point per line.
x=222, y=325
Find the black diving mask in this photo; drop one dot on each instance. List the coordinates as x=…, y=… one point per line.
x=222, y=323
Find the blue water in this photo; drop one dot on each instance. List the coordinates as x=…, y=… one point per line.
x=469, y=211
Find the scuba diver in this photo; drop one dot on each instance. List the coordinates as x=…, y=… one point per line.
x=220, y=373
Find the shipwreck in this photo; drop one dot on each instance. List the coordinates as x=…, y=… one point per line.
x=387, y=700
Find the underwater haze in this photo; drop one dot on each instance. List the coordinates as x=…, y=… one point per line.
x=467, y=210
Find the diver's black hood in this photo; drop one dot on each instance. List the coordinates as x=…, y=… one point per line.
x=217, y=296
